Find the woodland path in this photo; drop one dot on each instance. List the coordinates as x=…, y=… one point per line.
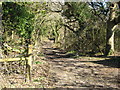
x=82, y=72
x=62, y=70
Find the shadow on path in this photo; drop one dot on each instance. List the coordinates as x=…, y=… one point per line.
x=112, y=62
x=56, y=53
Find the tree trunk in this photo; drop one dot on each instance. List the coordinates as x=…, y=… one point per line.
x=110, y=30
x=110, y=38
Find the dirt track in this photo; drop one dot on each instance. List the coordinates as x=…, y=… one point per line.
x=62, y=70
x=82, y=72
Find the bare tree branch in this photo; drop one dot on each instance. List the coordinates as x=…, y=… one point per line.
x=70, y=28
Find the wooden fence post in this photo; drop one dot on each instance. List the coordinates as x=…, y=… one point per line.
x=29, y=63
